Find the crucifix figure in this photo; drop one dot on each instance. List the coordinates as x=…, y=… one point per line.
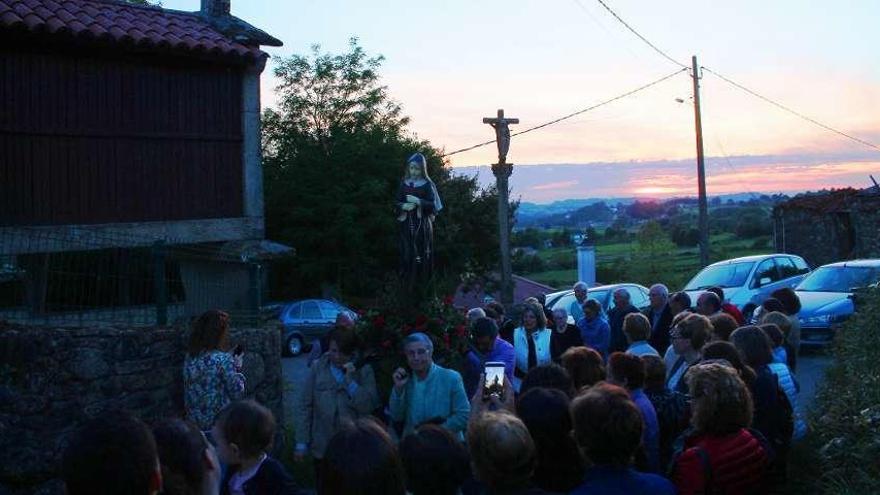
x=502, y=171
x=502, y=133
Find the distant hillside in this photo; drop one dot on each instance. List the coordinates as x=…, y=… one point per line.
x=590, y=214
x=529, y=213
x=580, y=213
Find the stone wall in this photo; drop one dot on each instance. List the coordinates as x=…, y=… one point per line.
x=53, y=379
x=823, y=229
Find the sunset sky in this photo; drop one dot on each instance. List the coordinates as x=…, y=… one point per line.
x=452, y=62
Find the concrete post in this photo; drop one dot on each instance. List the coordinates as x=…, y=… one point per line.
x=251, y=149
x=586, y=256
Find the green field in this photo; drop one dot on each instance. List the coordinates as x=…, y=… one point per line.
x=614, y=260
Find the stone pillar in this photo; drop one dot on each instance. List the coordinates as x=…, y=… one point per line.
x=251, y=151
x=586, y=255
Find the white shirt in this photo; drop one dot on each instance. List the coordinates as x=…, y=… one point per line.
x=237, y=480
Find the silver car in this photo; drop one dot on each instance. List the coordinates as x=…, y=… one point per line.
x=307, y=320
x=603, y=294
x=748, y=281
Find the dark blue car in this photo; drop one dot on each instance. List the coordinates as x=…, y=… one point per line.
x=826, y=297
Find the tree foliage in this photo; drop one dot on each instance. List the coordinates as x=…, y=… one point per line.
x=334, y=153
x=655, y=253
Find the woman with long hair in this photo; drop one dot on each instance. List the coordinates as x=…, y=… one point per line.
x=212, y=377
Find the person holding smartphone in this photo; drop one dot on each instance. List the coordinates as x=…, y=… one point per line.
x=212, y=377
x=428, y=393
x=335, y=392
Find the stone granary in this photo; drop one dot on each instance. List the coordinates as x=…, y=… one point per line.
x=829, y=226
x=124, y=125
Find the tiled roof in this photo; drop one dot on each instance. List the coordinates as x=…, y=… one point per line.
x=120, y=23
x=522, y=288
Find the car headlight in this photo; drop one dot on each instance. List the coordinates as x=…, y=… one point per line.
x=824, y=319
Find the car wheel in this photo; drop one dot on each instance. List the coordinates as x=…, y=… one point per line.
x=294, y=345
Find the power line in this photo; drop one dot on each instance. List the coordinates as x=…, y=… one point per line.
x=789, y=110
x=633, y=31
x=573, y=114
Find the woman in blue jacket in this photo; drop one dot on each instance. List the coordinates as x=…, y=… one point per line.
x=594, y=328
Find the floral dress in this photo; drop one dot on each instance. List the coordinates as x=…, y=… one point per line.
x=210, y=382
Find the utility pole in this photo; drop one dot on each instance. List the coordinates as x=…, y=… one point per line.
x=502, y=171
x=703, y=222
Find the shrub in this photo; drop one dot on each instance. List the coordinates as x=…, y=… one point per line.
x=840, y=454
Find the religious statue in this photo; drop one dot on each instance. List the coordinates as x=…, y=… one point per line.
x=417, y=204
x=502, y=138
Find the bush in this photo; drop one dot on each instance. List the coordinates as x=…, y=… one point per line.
x=840, y=454
x=528, y=263
x=563, y=260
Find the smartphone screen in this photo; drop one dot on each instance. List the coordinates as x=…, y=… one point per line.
x=494, y=380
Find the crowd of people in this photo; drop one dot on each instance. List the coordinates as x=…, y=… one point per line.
x=676, y=398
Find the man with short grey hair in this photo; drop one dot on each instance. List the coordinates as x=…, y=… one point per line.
x=622, y=307
x=473, y=315
x=660, y=316
x=575, y=309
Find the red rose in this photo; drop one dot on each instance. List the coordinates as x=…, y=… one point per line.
x=386, y=344
x=446, y=339
x=421, y=321
x=460, y=330
x=379, y=321
x=448, y=300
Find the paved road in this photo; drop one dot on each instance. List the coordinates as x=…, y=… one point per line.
x=295, y=370
x=811, y=370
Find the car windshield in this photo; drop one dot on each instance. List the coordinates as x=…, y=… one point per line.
x=724, y=276
x=839, y=278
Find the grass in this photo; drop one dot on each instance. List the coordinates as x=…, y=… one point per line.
x=684, y=265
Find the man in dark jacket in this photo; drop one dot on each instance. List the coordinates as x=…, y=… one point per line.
x=622, y=307
x=660, y=316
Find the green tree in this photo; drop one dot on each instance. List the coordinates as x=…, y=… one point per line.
x=334, y=153
x=654, y=257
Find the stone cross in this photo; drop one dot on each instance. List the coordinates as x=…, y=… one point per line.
x=502, y=171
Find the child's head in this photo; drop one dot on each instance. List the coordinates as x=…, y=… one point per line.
x=189, y=462
x=243, y=430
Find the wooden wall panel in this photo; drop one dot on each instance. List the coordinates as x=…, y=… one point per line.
x=103, y=138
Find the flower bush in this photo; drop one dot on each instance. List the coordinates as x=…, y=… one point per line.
x=382, y=330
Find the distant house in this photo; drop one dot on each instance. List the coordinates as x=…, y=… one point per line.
x=829, y=226
x=124, y=125
x=477, y=295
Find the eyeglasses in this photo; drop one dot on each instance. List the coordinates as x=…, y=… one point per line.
x=416, y=352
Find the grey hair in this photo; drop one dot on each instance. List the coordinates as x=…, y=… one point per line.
x=474, y=313
x=561, y=310
x=624, y=293
x=662, y=288
x=580, y=285
x=418, y=338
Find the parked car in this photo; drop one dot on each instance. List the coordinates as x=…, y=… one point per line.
x=308, y=320
x=827, y=297
x=601, y=294
x=748, y=281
